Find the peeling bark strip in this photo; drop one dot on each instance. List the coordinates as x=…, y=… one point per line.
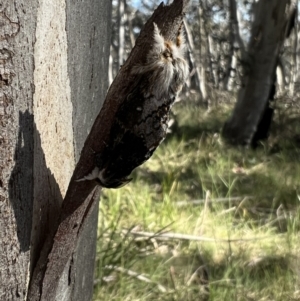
x=81, y=196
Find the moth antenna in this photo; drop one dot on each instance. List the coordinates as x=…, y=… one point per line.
x=142, y=119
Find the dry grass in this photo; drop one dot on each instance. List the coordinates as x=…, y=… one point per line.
x=223, y=223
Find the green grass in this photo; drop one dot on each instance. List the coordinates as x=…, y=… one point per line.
x=254, y=249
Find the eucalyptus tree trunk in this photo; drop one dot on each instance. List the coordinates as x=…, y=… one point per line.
x=281, y=76
x=129, y=17
x=234, y=36
x=233, y=11
x=294, y=29
x=267, y=36
x=192, y=57
x=53, y=80
x=121, y=29
x=203, y=55
x=110, y=67
x=297, y=51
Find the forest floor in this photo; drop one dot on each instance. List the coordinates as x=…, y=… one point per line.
x=205, y=221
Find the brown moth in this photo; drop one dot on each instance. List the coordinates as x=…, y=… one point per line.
x=142, y=120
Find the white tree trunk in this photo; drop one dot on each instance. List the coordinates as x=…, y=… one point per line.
x=121, y=43
x=191, y=50
x=234, y=36
x=53, y=79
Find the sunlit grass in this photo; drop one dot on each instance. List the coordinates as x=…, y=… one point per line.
x=253, y=251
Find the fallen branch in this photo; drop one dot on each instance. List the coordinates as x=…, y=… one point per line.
x=170, y=235
x=136, y=275
x=217, y=200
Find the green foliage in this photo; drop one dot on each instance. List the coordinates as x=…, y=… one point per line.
x=248, y=207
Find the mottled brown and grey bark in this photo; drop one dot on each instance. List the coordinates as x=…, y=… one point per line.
x=53, y=79
x=267, y=36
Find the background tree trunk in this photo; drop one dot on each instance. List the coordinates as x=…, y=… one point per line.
x=203, y=54
x=191, y=53
x=234, y=38
x=267, y=36
x=53, y=80
x=121, y=40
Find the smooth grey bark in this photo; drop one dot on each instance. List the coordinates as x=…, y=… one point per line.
x=121, y=35
x=281, y=76
x=90, y=49
x=204, y=55
x=267, y=36
x=53, y=81
x=233, y=12
x=129, y=17
x=191, y=52
x=234, y=37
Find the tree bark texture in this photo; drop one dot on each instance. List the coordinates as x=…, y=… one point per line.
x=53, y=80
x=16, y=149
x=267, y=36
x=56, y=262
